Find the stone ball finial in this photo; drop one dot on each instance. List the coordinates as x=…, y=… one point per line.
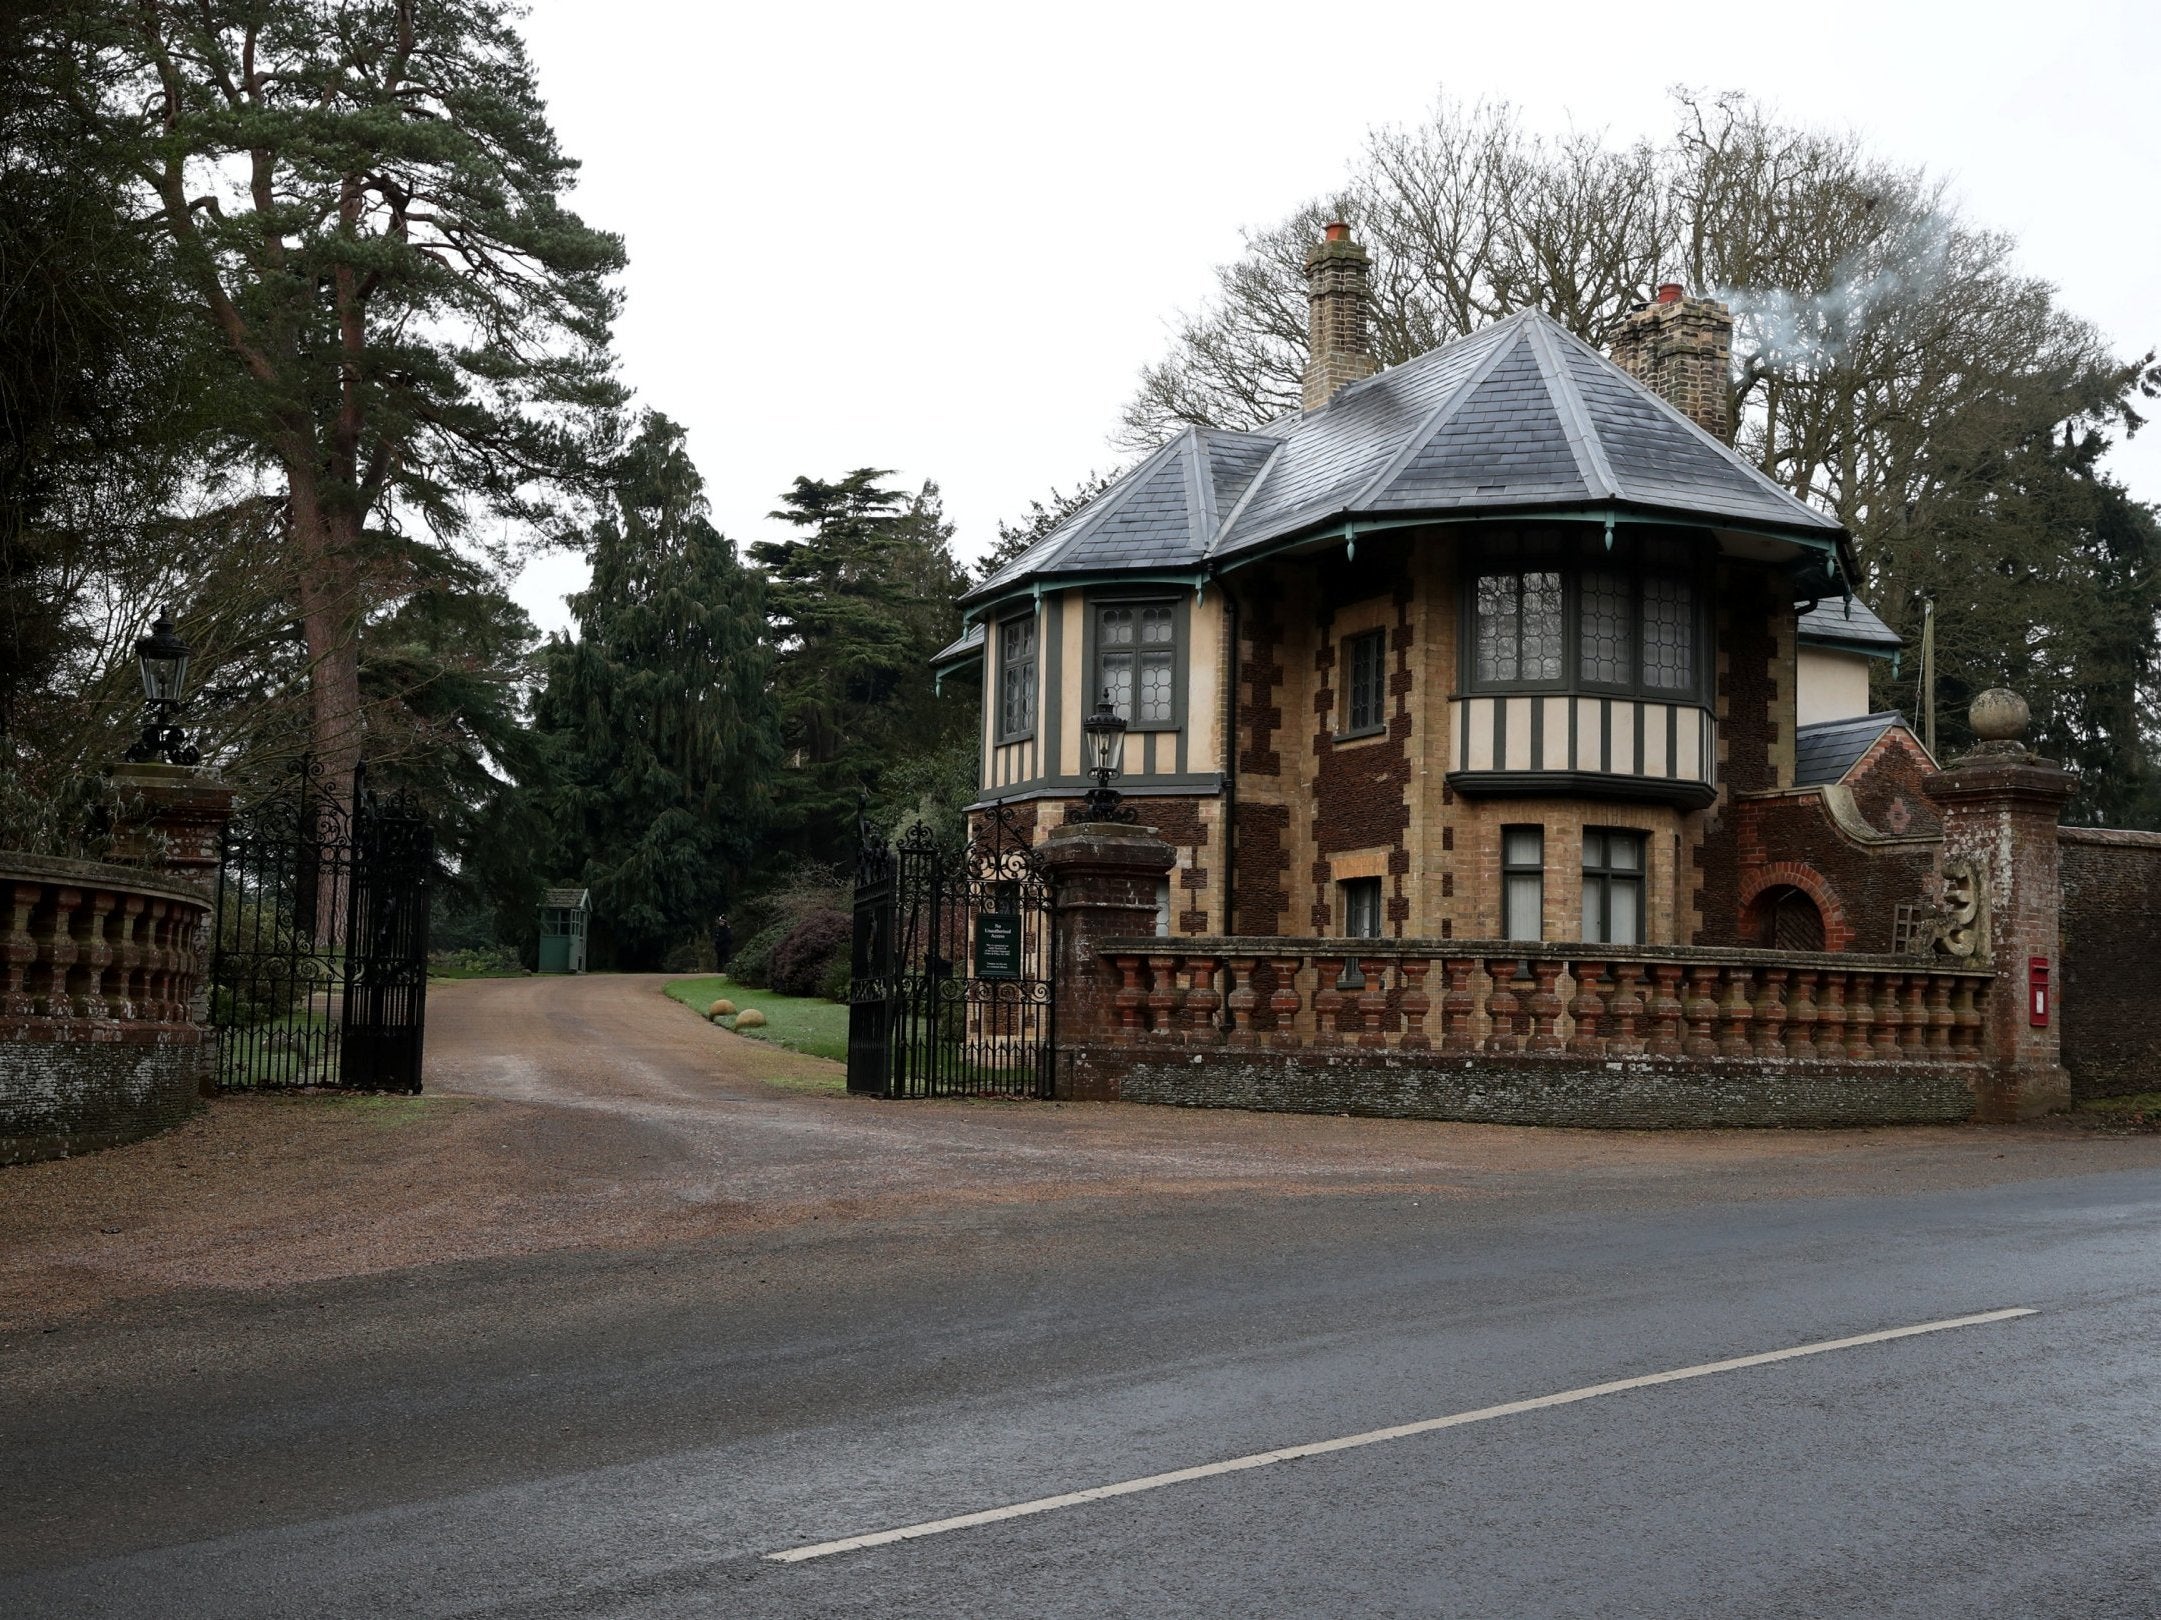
x=1999, y=715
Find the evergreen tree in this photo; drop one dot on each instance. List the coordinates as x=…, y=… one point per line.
x=857, y=608
x=656, y=720
x=361, y=205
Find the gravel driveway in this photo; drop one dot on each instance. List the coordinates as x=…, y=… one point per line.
x=596, y=1113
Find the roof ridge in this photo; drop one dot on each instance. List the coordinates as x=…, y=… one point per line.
x=1253, y=486
x=1710, y=439
x=1582, y=434
x=1090, y=516
x=1439, y=416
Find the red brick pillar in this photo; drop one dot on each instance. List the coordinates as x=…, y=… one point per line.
x=1106, y=876
x=172, y=820
x=2000, y=807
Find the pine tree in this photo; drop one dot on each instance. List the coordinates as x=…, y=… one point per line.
x=363, y=208
x=857, y=608
x=656, y=720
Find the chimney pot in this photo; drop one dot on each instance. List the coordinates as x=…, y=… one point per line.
x=1337, y=230
x=1669, y=292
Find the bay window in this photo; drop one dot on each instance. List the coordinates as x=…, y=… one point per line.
x=1561, y=612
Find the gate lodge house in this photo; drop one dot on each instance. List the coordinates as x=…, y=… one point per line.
x=1503, y=646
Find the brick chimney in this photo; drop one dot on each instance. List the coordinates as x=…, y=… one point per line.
x=1338, y=348
x=1681, y=348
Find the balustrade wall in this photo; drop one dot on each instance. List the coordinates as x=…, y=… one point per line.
x=1497, y=996
x=100, y=969
x=1181, y=1011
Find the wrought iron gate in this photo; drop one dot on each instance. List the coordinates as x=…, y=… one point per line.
x=319, y=974
x=951, y=989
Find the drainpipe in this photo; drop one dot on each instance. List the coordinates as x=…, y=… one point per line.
x=1230, y=770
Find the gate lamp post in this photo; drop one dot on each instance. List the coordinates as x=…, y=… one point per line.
x=1104, y=733
x=163, y=658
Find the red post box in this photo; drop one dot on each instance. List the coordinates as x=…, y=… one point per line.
x=2037, y=991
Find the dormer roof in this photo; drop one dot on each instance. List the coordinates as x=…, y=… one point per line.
x=1522, y=417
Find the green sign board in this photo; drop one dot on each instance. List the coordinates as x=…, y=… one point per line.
x=997, y=945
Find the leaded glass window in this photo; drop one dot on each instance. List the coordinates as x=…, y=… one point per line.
x=1367, y=658
x=1016, y=677
x=1518, y=628
x=1669, y=633
x=1137, y=661
x=1602, y=646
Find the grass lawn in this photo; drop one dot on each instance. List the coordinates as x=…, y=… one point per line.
x=800, y=1023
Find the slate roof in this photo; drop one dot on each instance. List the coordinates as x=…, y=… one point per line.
x=570, y=899
x=1847, y=622
x=1520, y=416
x=970, y=645
x=1827, y=750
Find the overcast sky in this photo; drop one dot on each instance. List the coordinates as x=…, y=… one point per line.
x=944, y=239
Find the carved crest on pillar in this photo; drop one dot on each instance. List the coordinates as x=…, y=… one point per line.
x=1957, y=924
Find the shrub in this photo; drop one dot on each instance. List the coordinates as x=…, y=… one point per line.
x=750, y=1018
x=837, y=978
x=801, y=959
x=753, y=961
x=720, y=1008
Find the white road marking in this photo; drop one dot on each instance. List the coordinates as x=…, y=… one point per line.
x=1374, y=1437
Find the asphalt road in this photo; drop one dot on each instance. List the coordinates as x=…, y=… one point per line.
x=632, y=1434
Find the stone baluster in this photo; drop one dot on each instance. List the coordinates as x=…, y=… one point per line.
x=1913, y=1035
x=1801, y=1014
x=94, y=952
x=1459, y=1005
x=1284, y=1002
x=1504, y=1004
x=1241, y=1000
x=56, y=953
x=1163, y=997
x=1702, y=1010
x=124, y=988
x=19, y=951
x=1328, y=1001
x=1373, y=1002
x=1770, y=1022
x=1890, y=1016
x=1132, y=994
x=1546, y=1006
x=1665, y=1011
x=1860, y=1016
x=1625, y=1007
x=1967, y=1018
x=1201, y=1001
x=1587, y=1008
x=1415, y=1004
x=1940, y=1016
x=1831, y=1017
x=1736, y=1012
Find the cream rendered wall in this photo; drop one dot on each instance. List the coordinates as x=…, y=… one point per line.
x=1830, y=685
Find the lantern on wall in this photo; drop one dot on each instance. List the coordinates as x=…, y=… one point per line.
x=162, y=657
x=1103, y=735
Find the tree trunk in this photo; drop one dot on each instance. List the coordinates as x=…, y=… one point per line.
x=325, y=550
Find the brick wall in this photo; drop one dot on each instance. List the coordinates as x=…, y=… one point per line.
x=1858, y=874
x=1748, y=617
x=2111, y=922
